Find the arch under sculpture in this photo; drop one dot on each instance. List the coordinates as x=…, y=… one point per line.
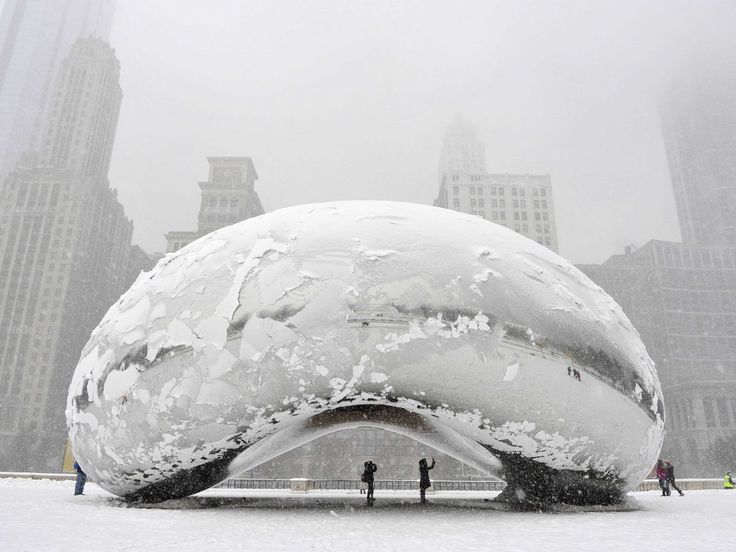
x=450, y=329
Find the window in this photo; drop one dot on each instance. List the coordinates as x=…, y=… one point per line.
x=503, y=215
x=710, y=414
x=482, y=213
x=494, y=216
x=544, y=204
x=546, y=228
x=513, y=191
x=517, y=228
x=516, y=215
x=494, y=203
x=456, y=203
x=723, y=415
x=542, y=192
x=472, y=201
x=480, y=190
x=472, y=190
x=502, y=203
x=455, y=190
x=523, y=215
x=493, y=190
x=536, y=204
x=500, y=191
x=544, y=216
x=213, y=201
x=522, y=192
x=537, y=216
x=481, y=202
x=523, y=203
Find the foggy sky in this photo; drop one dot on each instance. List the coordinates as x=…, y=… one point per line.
x=350, y=100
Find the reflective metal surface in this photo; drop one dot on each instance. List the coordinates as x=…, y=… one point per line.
x=442, y=326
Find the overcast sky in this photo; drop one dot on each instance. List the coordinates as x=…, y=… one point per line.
x=350, y=100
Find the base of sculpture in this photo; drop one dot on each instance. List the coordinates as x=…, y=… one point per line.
x=530, y=484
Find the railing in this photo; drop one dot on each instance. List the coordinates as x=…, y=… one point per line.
x=686, y=484
x=354, y=484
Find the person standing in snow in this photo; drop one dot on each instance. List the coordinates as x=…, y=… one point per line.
x=424, y=482
x=662, y=477
x=81, y=479
x=670, y=470
x=369, y=468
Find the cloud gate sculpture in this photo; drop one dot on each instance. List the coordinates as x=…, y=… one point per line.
x=442, y=326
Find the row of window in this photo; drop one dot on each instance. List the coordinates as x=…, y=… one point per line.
x=501, y=203
x=500, y=190
x=231, y=203
x=717, y=412
x=710, y=302
x=685, y=257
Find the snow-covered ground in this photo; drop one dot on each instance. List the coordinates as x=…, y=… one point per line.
x=43, y=515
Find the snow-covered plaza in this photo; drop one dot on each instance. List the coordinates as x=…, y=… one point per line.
x=44, y=515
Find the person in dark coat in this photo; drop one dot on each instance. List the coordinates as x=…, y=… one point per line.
x=670, y=470
x=81, y=479
x=662, y=478
x=424, y=482
x=369, y=468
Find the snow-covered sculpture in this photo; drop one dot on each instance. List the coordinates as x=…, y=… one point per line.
x=264, y=335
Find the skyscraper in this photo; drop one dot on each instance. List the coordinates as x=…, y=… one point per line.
x=698, y=113
x=681, y=297
x=65, y=250
x=35, y=35
x=228, y=196
x=521, y=202
x=462, y=151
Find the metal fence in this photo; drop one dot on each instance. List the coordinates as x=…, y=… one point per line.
x=354, y=484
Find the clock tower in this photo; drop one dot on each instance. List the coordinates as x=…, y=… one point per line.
x=228, y=196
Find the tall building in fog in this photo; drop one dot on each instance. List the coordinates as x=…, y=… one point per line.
x=35, y=35
x=228, y=196
x=521, y=202
x=65, y=255
x=698, y=113
x=681, y=297
x=462, y=151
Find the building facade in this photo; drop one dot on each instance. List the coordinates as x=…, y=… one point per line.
x=65, y=256
x=34, y=37
x=228, y=196
x=521, y=202
x=682, y=300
